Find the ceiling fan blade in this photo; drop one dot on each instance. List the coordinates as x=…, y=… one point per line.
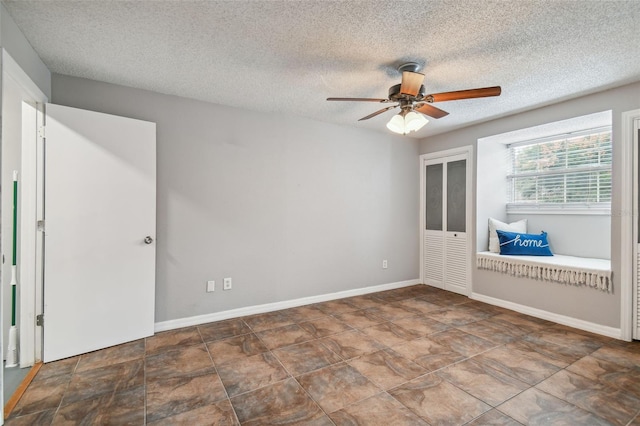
x=378, y=112
x=411, y=82
x=431, y=111
x=359, y=99
x=465, y=94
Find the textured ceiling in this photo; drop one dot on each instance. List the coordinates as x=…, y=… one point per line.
x=288, y=56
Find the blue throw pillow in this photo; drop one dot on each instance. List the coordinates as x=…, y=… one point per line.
x=515, y=243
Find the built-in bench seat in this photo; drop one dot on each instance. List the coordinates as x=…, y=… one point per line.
x=580, y=271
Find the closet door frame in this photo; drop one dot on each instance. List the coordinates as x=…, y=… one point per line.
x=470, y=208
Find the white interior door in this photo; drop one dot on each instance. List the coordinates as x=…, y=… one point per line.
x=100, y=199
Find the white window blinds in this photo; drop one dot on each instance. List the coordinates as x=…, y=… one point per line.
x=572, y=170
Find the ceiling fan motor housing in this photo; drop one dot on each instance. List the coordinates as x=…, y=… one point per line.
x=395, y=95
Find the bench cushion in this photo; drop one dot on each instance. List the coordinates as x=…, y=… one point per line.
x=579, y=271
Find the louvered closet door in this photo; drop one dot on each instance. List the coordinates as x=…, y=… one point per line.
x=445, y=255
x=456, y=261
x=433, y=262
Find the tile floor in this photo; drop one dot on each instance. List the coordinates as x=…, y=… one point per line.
x=412, y=356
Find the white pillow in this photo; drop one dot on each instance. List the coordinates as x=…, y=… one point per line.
x=494, y=225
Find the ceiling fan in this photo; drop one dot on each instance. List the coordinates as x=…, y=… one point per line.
x=410, y=97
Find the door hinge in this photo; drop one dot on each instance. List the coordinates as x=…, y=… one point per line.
x=41, y=132
x=40, y=225
x=40, y=320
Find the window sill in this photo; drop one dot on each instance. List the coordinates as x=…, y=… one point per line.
x=546, y=210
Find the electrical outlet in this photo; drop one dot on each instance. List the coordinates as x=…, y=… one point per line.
x=226, y=284
x=384, y=264
x=211, y=286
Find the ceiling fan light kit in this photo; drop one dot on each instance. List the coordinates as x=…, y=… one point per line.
x=414, y=104
x=406, y=122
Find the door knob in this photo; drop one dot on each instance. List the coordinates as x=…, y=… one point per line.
x=148, y=240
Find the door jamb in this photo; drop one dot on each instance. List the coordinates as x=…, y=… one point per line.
x=30, y=257
x=629, y=232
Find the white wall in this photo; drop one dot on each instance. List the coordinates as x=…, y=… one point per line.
x=592, y=305
x=287, y=207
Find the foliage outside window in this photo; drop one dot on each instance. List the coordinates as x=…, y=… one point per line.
x=564, y=172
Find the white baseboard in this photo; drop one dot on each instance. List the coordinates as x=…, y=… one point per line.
x=276, y=306
x=550, y=316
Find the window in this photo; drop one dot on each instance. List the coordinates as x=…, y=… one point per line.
x=571, y=171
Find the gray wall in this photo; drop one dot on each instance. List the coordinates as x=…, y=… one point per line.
x=14, y=42
x=585, y=304
x=286, y=206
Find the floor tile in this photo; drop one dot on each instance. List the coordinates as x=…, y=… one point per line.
x=378, y=410
x=421, y=325
x=268, y=320
x=485, y=383
x=216, y=414
x=611, y=404
x=386, y=368
x=457, y=315
x=235, y=347
x=46, y=395
x=360, y=319
x=418, y=306
x=494, y=418
x=608, y=373
x=176, y=363
x=337, y=386
x=119, y=408
x=172, y=339
x=461, y=342
x=517, y=364
x=390, y=334
x=575, y=341
x=618, y=355
x=605, y=340
x=306, y=357
x=250, y=373
x=438, y=401
x=324, y=327
x=491, y=309
x=560, y=356
x=524, y=322
x=168, y=396
x=339, y=306
x=490, y=331
x=429, y=354
x=113, y=355
x=366, y=301
x=113, y=378
x=304, y=313
x=391, y=312
x=55, y=368
x=41, y=418
x=536, y=408
x=280, y=403
x=223, y=329
x=351, y=344
x=284, y=336
x=445, y=298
